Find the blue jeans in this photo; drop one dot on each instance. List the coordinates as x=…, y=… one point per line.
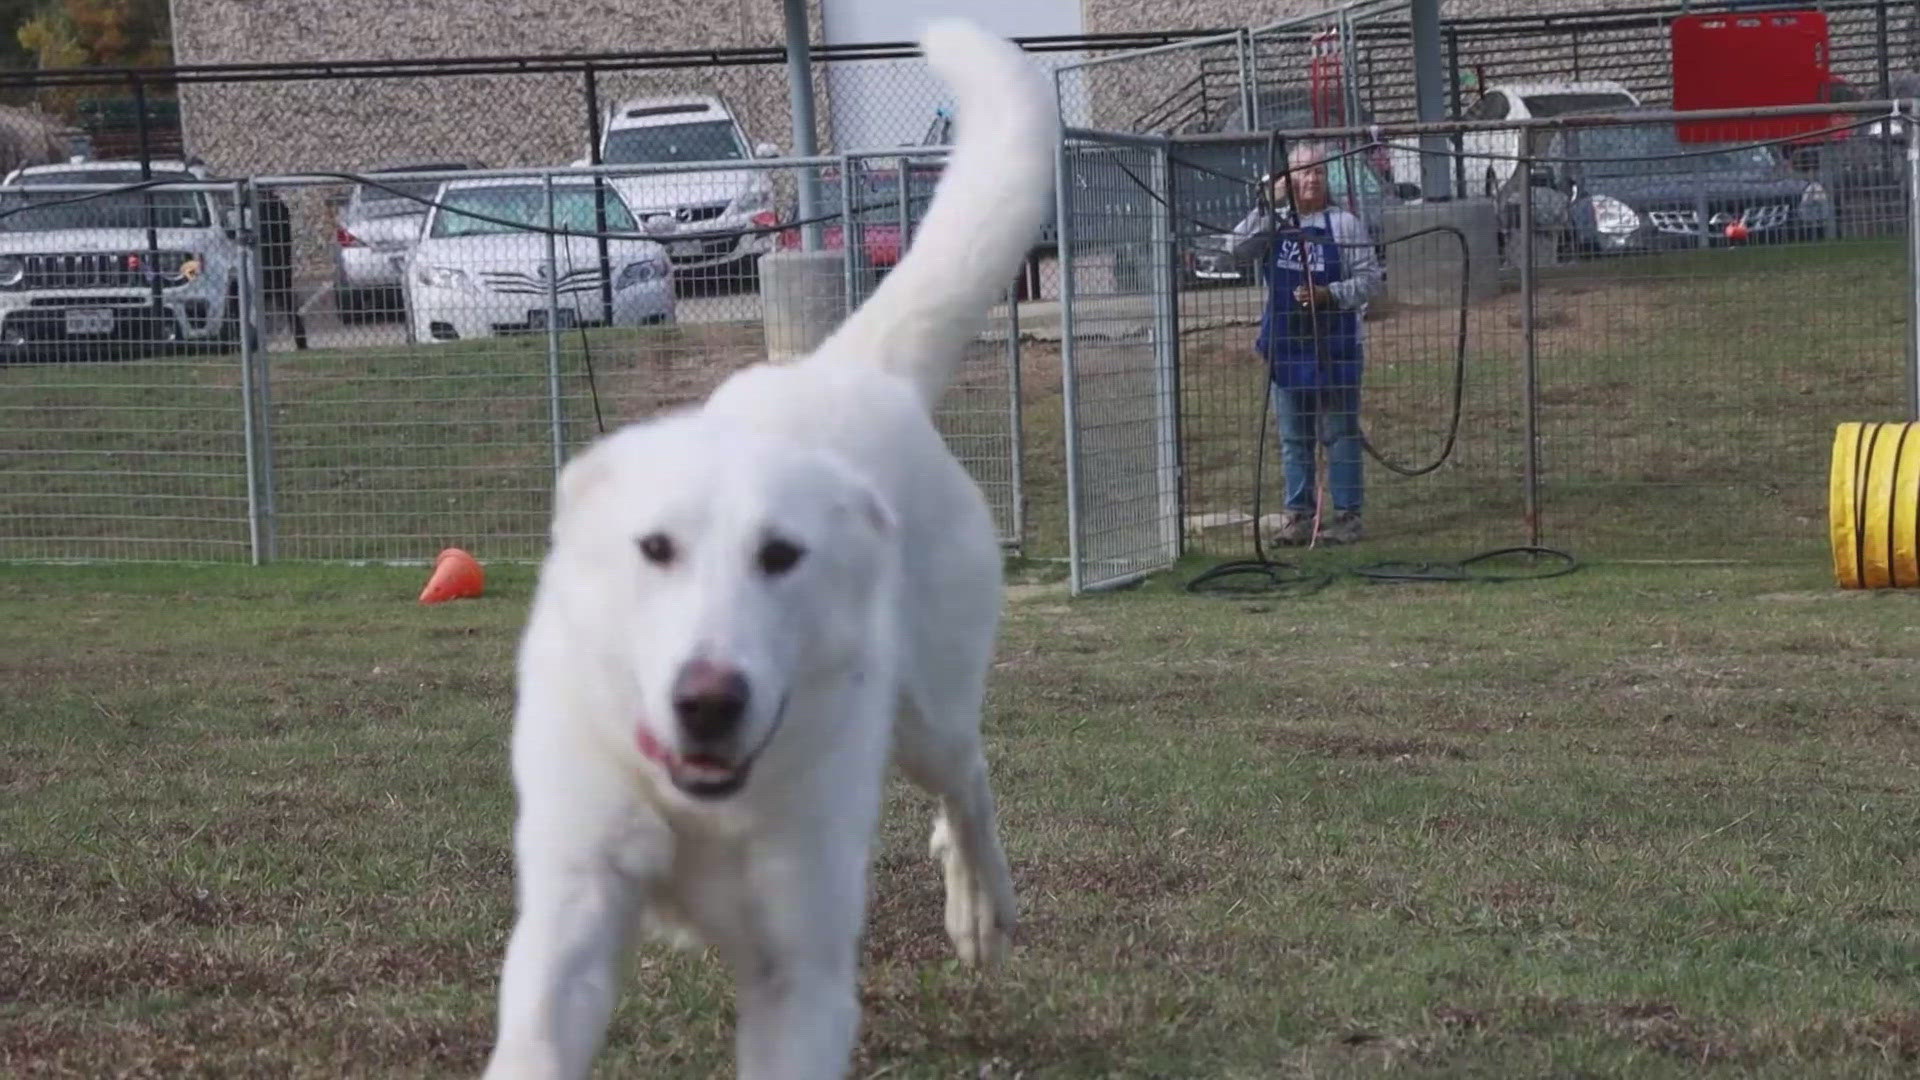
x=1330, y=415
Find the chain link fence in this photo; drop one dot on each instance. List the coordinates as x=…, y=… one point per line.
x=1639, y=350
x=167, y=397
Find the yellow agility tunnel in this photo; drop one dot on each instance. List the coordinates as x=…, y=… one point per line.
x=1873, y=505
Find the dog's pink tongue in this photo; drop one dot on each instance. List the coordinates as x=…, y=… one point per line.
x=651, y=748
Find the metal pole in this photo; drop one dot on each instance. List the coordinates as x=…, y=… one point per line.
x=159, y=312
x=1913, y=259
x=553, y=334
x=599, y=193
x=1453, y=98
x=905, y=194
x=1249, y=86
x=1881, y=47
x=1069, y=397
x=849, y=236
x=1428, y=71
x=800, y=94
x=248, y=429
x=1166, y=355
x=256, y=328
x=1349, y=70
x=1017, y=443
x=1530, y=366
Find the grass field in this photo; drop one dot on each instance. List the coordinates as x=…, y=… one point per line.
x=1631, y=822
x=1643, y=820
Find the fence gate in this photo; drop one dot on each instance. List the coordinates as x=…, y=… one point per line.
x=1118, y=360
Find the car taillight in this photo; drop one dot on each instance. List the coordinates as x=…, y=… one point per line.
x=346, y=239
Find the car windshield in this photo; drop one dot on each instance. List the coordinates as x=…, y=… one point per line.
x=525, y=206
x=1561, y=104
x=1654, y=151
x=703, y=140
x=395, y=195
x=42, y=211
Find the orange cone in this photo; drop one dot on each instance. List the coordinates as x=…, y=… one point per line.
x=456, y=574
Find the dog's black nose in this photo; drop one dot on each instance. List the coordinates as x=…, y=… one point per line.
x=709, y=699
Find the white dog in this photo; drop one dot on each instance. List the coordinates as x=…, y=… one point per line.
x=748, y=610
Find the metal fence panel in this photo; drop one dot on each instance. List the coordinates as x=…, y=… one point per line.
x=103, y=458
x=1701, y=332
x=1651, y=367
x=1195, y=85
x=487, y=349
x=1119, y=350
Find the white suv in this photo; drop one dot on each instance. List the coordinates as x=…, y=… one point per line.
x=726, y=203
x=82, y=271
x=1492, y=156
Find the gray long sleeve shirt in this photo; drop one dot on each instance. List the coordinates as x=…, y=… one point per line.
x=1248, y=243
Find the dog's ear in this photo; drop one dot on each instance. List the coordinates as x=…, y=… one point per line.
x=875, y=510
x=862, y=500
x=584, y=472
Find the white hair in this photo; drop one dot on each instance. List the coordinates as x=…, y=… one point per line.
x=1303, y=154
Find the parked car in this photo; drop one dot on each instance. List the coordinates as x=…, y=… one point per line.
x=1047, y=242
x=84, y=272
x=374, y=232
x=718, y=204
x=1494, y=155
x=1639, y=188
x=876, y=203
x=1863, y=167
x=471, y=277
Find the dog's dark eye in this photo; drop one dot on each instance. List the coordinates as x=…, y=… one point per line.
x=779, y=556
x=658, y=548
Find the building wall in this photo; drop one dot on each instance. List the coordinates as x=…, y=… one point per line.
x=504, y=120
x=266, y=128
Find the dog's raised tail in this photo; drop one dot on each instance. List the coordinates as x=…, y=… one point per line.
x=995, y=193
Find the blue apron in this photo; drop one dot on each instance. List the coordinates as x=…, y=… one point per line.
x=1287, y=334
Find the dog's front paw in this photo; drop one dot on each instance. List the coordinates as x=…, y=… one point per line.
x=982, y=931
x=980, y=917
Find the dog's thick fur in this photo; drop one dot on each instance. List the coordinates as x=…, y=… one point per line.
x=803, y=550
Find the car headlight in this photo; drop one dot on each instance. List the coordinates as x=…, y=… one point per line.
x=639, y=273
x=1814, y=201
x=13, y=270
x=1614, y=217
x=750, y=200
x=441, y=277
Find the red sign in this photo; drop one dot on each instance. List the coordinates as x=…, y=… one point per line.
x=1732, y=60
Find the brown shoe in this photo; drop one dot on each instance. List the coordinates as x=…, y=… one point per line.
x=1295, y=529
x=1344, y=528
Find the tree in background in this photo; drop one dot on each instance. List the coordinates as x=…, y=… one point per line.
x=82, y=34
x=97, y=33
